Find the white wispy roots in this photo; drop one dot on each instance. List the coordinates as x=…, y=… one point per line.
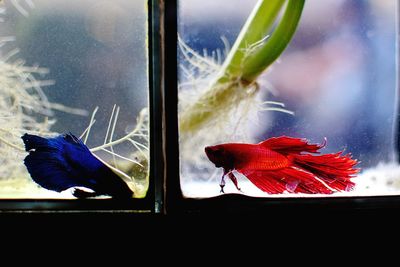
x=134, y=167
x=23, y=108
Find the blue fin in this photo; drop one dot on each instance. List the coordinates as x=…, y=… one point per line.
x=46, y=164
x=64, y=161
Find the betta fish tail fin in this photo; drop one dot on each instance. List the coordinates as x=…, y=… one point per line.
x=322, y=174
x=289, y=145
x=335, y=170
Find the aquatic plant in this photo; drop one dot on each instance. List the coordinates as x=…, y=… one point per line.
x=260, y=42
x=23, y=108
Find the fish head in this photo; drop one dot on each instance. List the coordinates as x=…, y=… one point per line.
x=219, y=156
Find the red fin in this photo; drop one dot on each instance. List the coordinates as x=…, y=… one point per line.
x=291, y=180
x=335, y=170
x=321, y=174
x=289, y=145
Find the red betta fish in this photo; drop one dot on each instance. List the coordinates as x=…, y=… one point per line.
x=285, y=164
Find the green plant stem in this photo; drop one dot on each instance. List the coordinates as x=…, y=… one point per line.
x=251, y=54
x=254, y=65
x=259, y=22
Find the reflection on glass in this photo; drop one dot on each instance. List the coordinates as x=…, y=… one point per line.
x=79, y=68
x=335, y=80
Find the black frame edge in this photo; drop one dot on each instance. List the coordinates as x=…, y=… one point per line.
x=156, y=105
x=173, y=193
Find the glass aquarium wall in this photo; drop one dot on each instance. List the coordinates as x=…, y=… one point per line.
x=74, y=84
x=316, y=120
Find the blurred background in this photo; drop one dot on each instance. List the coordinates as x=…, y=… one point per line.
x=338, y=74
x=96, y=54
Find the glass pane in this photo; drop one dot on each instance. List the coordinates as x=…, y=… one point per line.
x=335, y=82
x=76, y=74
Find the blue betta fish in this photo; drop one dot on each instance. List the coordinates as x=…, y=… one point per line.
x=65, y=162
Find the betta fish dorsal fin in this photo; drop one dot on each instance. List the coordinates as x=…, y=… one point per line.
x=290, y=145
